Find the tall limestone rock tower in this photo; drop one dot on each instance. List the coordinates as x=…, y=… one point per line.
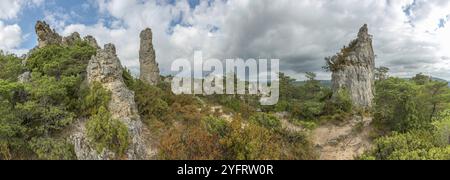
x=353, y=70
x=105, y=68
x=147, y=59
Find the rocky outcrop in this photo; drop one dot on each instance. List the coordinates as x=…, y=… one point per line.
x=106, y=69
x=149, y=68
x=91, y=41
x=46, y=35
x=71, y=39
x=353, y=70
x=24, y=77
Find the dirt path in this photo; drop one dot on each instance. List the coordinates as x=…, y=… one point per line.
x=336, y=142
x=342, y=142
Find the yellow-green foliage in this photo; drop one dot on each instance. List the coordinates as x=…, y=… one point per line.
x=11, y=67
x=414, y=145
x=96, y=97
x=52, y=149
x=34, y=114
x=250, y=142
x=442, y=126
x=149, y=100
x=107, y=133
x=268, y=121
x=403, y=105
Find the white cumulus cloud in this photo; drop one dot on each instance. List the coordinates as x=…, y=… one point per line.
x=10, y=36
x=408, y=34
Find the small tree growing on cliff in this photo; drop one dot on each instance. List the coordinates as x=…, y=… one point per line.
x=381, y=73
x=108, y=133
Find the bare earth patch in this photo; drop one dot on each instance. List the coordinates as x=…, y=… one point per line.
x=342, y=142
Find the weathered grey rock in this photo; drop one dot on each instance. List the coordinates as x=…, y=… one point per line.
x=353, y=69
x=83, y=149
x=46, y=35
x=25, y=77
x=91, y=41
x=106, y=69
x=149, y=72
x=71, y=39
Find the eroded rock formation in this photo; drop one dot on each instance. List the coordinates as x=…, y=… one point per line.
x=106, y=69
x=71, y=39
x=353, y=69
x=92, y=41
x=149, y=72
x=46, y=35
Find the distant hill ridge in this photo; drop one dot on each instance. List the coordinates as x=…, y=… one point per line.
x=327, y=83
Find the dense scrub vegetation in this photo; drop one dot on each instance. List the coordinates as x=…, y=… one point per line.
x=411, y=116
x=35, y=113
x=188, y=127
x=412, y=119
x=237, y=127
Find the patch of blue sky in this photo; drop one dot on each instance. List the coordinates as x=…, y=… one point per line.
x=74, y=11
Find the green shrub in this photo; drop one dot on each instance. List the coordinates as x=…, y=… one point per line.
x=216, y=125
x=61, y=61
x=308, y=110
x=342, y=102
x=296, y=146
x=442, y=126
x=43, y=120
x=11, y=67
x=398, y=106
x=265, y=120
x=250, y=142
x=52, y=149
x=150, y=102
x=414, y=145
x=128, y=78
x=107, y=133
x=305, y=124
x=96, y=97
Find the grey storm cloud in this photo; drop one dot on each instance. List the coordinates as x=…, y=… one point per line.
x=407, y=36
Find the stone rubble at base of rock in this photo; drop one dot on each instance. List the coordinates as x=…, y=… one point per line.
x=356, y=75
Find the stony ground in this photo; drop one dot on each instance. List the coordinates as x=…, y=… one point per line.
x=344, y=141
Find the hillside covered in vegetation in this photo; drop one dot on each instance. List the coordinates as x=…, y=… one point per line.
x=45, y=94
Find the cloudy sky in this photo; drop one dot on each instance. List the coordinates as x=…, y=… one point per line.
x=410, y=36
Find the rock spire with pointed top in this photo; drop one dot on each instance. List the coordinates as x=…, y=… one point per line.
x=46, y=35
x=149, y=70
x=353, y=70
